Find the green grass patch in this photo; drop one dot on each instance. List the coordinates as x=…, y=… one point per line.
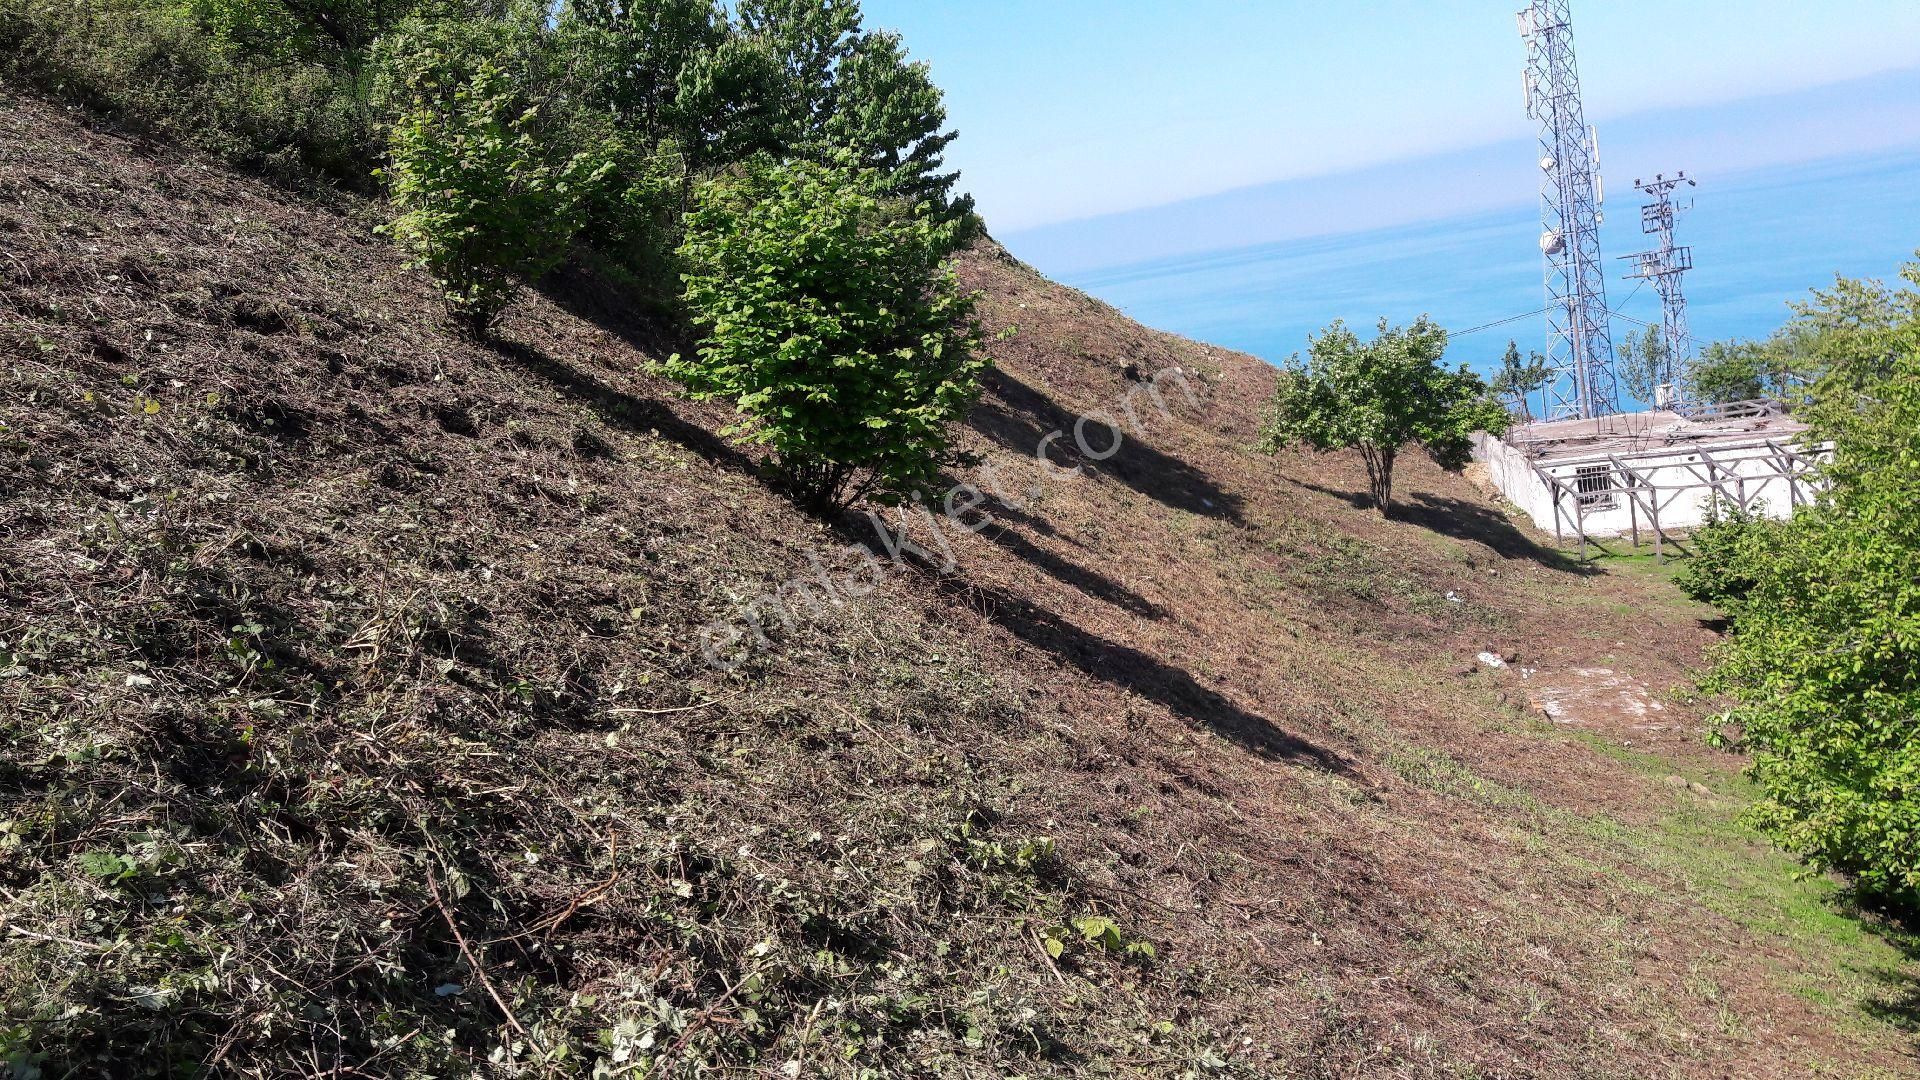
x=1851, y=965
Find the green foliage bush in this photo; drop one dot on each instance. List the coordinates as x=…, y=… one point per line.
x=1736, y=371
x=481, y=200
x=831, y=322
x=222, y=78
x=1824, y=656
x=1724, y=550
x=1378, y=396
x=1838, y=336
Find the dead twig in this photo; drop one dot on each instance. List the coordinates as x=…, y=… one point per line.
x=460, y=939
x=1047, y=956
x=545, y=927
x=21, y=931
x=662, y=712
x=706, y=1017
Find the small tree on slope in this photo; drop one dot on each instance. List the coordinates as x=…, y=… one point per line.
x=480, y=201
x=831, y=322
x=1378, y=396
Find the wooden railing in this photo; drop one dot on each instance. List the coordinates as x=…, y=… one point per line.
x=1733, y=410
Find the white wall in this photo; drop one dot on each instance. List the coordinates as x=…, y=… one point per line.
x=1512, y=472
x=1767, y=492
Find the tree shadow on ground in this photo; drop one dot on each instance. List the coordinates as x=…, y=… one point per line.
x=1897, y=999
x=650, y=327
x=619, y=409
x=1464, y=520
x=1000, y=511
x=1134, y=671
x=1093, y=583
x=1019, y=417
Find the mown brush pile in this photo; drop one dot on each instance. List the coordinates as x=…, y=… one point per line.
x=351, y=712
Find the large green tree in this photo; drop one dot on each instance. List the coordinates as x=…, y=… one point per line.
x=1823, y=661
x=830, y=320
x=730, y=103
x=1379, y=396
x=850, y=90
x=634, y=51
x=892, y=116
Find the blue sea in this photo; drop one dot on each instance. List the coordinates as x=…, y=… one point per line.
x=1759, y=240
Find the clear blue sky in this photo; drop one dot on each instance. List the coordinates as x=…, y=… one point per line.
x=1074, y=108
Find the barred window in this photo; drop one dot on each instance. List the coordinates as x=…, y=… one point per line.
x=1595, y=485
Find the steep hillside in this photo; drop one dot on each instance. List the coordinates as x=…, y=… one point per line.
x=376, y=703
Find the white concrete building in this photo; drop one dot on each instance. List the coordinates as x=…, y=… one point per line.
x=1653, y=472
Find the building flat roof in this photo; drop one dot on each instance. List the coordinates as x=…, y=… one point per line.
x=1639, y=432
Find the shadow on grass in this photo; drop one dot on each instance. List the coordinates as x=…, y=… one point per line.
x=1094, y=584
x=1018, y=417
x=619, y=409
x=620, y=308
x=1136, y=672
x=1464, y=520
x=1897, y=1004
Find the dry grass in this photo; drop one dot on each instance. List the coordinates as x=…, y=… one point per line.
x=356, y=725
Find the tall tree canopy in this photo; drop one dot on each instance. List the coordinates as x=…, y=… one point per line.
x=1823, y=662
x=850, y=90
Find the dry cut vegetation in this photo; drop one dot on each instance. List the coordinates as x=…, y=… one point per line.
x=353, y=720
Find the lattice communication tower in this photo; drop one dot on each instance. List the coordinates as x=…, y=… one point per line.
x=1579, y=326
x=1664, y=266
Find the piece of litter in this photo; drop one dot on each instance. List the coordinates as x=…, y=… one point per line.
x=1455, y=598
x=1492, y=660
x=447, y=989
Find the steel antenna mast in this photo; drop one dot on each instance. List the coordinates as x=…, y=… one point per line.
x=1664, y=266
x=1579, y=326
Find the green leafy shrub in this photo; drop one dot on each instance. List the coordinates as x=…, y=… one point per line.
x=481, y=199
x=1724, y=551
x=1378, y=396
x=1094, y=932
x=831, y=322
x=1737, y=371
x=1824, y=656
x=222, y=78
